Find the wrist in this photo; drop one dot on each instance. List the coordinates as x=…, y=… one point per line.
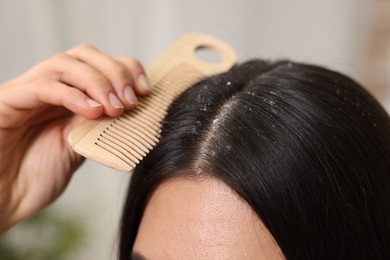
x=8, y=207
x=6, y=222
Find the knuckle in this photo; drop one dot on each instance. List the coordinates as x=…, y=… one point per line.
x=133, y=63
x=100, y=80
x=82, y=48
x=56, y=64
x=86, y=46
x=59, y=57
x=121, y=72
x=136, y=63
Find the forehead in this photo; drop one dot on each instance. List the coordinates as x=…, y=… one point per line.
x=202, y=219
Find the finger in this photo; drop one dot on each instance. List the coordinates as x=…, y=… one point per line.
x=16, y=99
x=142, y=85
x=59, y=94
x=72, y=72
x=116, y=72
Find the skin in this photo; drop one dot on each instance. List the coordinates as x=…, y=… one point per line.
x=201, y=219
x=37, y=111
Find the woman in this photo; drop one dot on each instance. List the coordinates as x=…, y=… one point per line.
x=268, y=161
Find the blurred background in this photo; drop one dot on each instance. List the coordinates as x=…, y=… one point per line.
x=351, y=36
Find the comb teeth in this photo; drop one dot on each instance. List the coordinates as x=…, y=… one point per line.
x=130, y=137
x=122, y=142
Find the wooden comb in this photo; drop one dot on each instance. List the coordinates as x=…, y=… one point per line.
x=122, y=142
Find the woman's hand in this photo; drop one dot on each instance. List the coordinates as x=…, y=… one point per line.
x=37, y=112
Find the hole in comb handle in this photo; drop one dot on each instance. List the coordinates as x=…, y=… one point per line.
x=207, y=54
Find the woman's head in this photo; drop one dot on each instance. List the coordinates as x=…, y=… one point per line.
x=303, y=150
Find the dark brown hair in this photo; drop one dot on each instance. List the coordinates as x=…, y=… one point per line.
x=307, y=148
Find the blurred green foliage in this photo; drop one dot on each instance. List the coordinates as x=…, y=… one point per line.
x=46, y=236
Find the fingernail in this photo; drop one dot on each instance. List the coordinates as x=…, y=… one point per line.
x=143, y=82
x=93, y=103
x=115, y=102
x=130, y=96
